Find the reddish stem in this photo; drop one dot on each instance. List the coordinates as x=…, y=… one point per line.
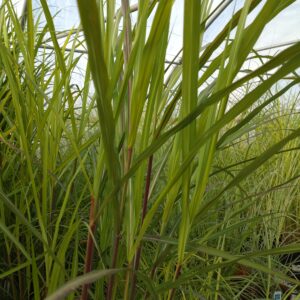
x=111, y=281
x=177, y=274
x=89, y=248
x=144, y=211
x=153, y=272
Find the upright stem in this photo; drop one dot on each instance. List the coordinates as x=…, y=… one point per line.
x=118, y=231
x=89, y=247
x=20, y=279
x=24, y=15
x=144, y=211
x=113, y=265
x=177, y=274
x=126, y=50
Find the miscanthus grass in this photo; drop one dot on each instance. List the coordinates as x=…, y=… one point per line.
x=147, y=179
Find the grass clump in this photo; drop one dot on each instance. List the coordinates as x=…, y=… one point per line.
x=149, y=179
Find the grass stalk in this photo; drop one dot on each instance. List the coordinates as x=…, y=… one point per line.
x=176, y=276
x=118, y=237
x=137, y=257
x=89, y=246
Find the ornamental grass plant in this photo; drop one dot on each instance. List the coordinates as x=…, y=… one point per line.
x=149, y=179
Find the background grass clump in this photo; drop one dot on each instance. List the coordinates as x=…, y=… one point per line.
x=146, y=178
